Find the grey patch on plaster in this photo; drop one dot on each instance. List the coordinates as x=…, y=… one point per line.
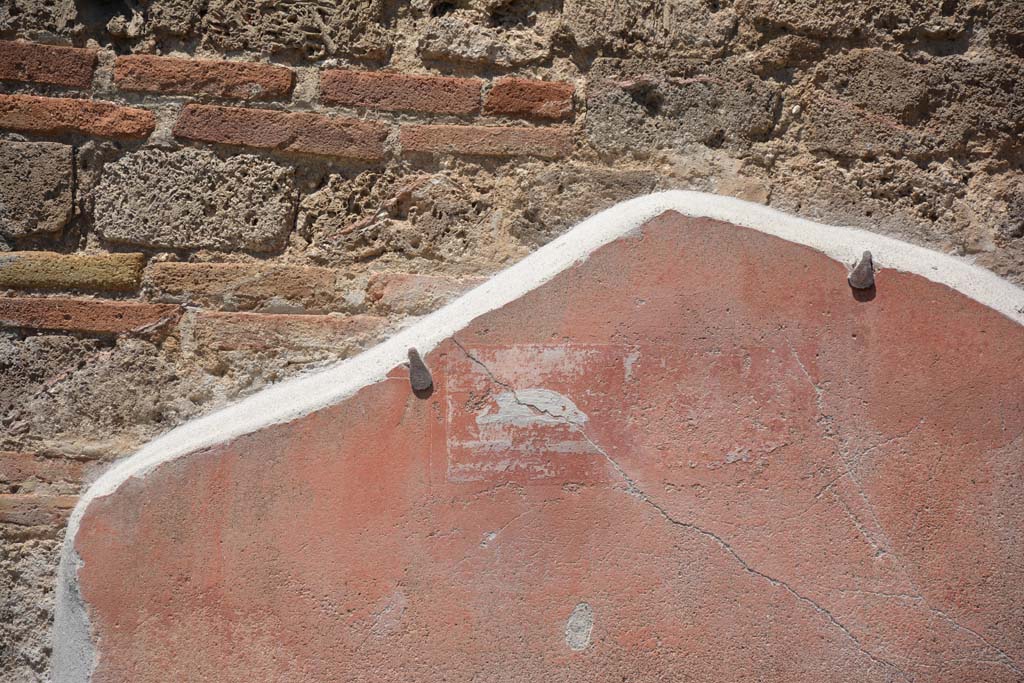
x=528, y=407
x=629, y=362
x=578, y=627
x=74, y=658
x=737, y=455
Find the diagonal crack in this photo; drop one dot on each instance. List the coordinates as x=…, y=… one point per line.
x=635, y=490
x=826, y=421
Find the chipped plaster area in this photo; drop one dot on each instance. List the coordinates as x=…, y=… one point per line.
x=526, y=407
x=304, y=395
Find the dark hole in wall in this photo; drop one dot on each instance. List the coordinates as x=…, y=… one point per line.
x=96, y=14
x=521, y=13
x=647, y=96
x=442, y=8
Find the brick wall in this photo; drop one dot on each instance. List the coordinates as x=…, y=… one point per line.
x=197, y=199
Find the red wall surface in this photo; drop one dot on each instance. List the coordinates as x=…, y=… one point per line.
x=694, y=456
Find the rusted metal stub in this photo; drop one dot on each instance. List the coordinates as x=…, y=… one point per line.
x=419, y=374
x=863, y=274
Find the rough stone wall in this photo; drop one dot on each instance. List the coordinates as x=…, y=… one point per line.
x=198, y=197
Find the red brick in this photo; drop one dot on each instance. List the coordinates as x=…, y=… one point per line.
x=295, y=133
x=401, y=92
x=412, y=293
x=16, y=469
x=60, y=116
x=238, y=80
x=31, y=62
x=528, y=98
x=491, y=141
x=89, y=316
x=270, y=332
x=35, y=510
x=245, y=286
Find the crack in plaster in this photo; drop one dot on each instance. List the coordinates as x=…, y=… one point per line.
x=633, y=489
x=827, y=421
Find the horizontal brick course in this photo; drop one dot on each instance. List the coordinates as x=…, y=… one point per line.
x=23, y=470
x=88, y=316
x=57, y=65
x=85, y=272
x=528, y=98
x=172, y=75
x=341, y=335
x=245, y=286
x=35, y=510
x=412, y=293
x=546, y=143
x=401, y=92
x=294, y=133
x=60, y=116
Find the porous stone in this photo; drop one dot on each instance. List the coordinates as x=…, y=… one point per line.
x=97, y=397
x=437, y=219
x=550, y=200
x=715, y=105
x=28, y=568
x=35, y=187
x=449, y=39
x=611, y=27
x=50, y=16
x=308, y=28
x=858, y=19
x=191, y=199
x=878, y=81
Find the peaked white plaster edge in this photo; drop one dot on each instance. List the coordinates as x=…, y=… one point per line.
x=73, y=655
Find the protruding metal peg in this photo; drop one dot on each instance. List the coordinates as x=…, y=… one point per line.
x=419, y=375
x=863, y=274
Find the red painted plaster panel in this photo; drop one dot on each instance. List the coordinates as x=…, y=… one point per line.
x=694, y=456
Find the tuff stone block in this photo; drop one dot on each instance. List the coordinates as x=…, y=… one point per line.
x=85, y=272
x=191, y=199
x=35, y=187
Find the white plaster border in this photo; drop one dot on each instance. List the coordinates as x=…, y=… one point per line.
x=73, y=655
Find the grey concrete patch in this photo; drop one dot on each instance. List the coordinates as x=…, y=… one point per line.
x=579, y=626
